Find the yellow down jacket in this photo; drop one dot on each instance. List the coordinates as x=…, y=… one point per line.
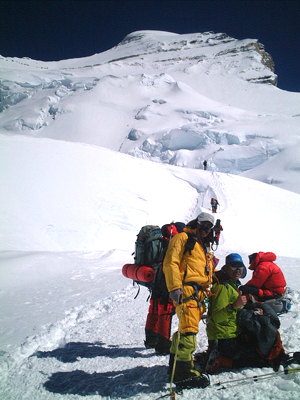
x=183, y=269
x=182, y=266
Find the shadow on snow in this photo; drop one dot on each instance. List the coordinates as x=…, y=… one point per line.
x=115, y=384
x=72, y=351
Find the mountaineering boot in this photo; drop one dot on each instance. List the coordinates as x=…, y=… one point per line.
x=200, y=381
x=151, y=339
x=162, y=346
x=186, y=377
x=184, y=370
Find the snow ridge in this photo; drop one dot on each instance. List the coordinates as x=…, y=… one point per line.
x=165, y=97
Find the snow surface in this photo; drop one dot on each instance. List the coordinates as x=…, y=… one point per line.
x=176, y=99
x=72, y=204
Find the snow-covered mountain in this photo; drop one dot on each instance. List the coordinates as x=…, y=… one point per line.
x=78, y=139
x=176, y=99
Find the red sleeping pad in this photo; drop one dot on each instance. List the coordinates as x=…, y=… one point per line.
x=138, y=273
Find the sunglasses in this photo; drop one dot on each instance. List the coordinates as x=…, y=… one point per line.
x=206, y=226
x=236, y=267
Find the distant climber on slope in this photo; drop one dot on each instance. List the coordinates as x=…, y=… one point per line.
x=214, y=204
x=217, y=230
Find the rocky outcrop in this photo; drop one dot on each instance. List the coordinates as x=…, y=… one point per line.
x=266, y=60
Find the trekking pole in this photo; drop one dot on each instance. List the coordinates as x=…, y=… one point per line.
x=172, y=392
x=255, y=378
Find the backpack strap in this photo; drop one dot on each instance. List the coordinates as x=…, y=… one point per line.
x=190, y=243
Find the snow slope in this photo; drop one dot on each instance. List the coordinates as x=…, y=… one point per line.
x=74, y=198
x=69, y=322
x=176, y=99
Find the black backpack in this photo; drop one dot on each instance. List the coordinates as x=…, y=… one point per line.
x=261, y=329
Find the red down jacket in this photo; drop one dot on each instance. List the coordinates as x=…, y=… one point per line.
x=267, y=276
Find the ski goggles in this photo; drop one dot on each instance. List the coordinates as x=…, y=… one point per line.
x=206, y=226
x=234, y=267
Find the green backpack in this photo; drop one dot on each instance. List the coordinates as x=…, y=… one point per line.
x=149, y=246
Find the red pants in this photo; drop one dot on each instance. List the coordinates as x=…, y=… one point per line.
x=159, y=318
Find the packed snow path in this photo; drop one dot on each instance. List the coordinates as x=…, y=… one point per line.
x=97, y=350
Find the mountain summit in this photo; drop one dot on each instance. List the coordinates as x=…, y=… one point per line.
x=165, y=97
x=202, y=47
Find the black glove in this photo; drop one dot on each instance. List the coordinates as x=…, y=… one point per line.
x=176, y=295
x=245, y=289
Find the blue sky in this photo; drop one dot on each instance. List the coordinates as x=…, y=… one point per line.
x=52, y=30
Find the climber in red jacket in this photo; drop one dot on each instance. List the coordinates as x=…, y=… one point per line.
x=267, y=281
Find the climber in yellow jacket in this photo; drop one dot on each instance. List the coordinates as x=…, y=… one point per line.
x=188, y=269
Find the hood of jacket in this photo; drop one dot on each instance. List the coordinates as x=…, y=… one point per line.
x=262, y=257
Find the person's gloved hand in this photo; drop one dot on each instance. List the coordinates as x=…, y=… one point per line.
x=176, y=295
x=239, y=302
x=245, y=289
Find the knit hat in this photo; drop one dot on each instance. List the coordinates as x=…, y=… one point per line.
x=205, y=217
x=180, y=226
x=235, y=260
